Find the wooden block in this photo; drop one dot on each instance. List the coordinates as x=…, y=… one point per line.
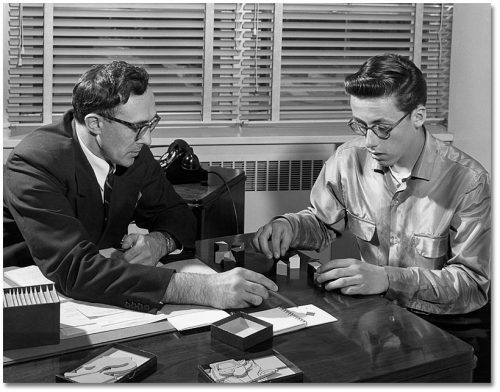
x=219, y=256
x=229, y=256
x=294, y=261
x=281, y=268
x=221, y=246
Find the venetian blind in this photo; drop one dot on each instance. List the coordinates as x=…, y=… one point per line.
x=222, y=62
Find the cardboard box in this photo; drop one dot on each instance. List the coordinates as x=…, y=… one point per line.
x=31, y=316
x=114, y=363
x=242, y=331
x=269, y=367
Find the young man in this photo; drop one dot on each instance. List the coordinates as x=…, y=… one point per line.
x=73, y=188
x=420, y=208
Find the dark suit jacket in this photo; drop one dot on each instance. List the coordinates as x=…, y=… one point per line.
x=54, y=216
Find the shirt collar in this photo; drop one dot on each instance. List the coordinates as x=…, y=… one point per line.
x=100, y=166
x=424, y=166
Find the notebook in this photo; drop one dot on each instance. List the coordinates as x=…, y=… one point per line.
x=291, y=319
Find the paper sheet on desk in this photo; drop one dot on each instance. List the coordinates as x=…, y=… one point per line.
x=79, y=317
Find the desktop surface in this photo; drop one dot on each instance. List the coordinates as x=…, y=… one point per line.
x=372, y=341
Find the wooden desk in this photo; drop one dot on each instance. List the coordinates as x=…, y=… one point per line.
x=212, y=203
x=372, y=341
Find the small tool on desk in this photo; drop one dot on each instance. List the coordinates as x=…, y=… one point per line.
x=282, y=298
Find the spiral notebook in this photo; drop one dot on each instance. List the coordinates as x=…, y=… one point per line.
x=294, y=318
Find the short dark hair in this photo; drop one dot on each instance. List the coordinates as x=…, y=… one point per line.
x=389, y=75
x=104, y=86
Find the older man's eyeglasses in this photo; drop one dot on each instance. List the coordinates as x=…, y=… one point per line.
x=383, y=131
x=139, y=128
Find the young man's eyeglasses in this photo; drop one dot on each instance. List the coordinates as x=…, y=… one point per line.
x=383, y=131
x=140, y=128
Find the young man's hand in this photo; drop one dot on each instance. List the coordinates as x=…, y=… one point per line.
x=281, y=235
x=353, y=276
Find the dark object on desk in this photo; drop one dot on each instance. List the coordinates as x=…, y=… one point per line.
x=30, y=316
x=115, y=363
x=220, y=250
x=212, y=203
x=312, y=274
x=242, y=331
x=264, y=367
x=187, y=253
x=181, y=165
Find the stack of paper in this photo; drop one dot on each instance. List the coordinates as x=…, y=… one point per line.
x=78, y=317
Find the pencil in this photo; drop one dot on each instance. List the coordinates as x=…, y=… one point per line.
x=282, y=298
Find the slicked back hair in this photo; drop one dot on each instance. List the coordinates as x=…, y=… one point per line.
x=389, y=75
x=105, y=86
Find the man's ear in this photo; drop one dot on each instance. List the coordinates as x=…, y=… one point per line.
x=93, y=123
x=419, y=115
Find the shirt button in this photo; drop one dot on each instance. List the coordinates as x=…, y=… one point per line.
x=394, y=240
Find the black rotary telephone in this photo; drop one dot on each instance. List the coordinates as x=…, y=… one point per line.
x=181, y=165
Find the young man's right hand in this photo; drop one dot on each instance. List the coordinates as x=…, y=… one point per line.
x=281, y=235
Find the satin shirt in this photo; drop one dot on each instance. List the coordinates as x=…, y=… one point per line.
x=432, y=235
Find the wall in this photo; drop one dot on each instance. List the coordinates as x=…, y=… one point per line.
x=470, y=116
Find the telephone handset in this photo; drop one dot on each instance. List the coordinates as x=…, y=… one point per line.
x=181, y=165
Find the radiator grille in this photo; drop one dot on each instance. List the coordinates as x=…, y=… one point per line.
x=293, y=175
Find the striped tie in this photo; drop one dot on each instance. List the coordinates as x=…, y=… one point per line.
x=108, y=187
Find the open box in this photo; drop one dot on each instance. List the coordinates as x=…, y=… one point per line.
x=242, y=330
x=269, y=366
x=114, y=363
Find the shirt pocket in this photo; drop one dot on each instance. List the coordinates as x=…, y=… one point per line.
x=361, y=228
x=430, y=247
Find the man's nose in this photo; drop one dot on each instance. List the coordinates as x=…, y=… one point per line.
x=371, y=140
x=145, y=138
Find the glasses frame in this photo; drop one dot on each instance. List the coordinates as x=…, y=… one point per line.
x=363, y=129
x=139, y=128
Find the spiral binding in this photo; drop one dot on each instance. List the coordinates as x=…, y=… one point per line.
x=291, y=314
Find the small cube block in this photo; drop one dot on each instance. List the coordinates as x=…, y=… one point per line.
x=294, y=261
x=281, y=268
x=218, y=257
x=229, y=256
x=221, y=246
x=312, y=274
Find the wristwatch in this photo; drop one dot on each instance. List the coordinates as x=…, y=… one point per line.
x=171, y=246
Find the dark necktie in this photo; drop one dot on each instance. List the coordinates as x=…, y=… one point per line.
x=108, y=187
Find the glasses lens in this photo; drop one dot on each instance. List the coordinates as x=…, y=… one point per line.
x=382, y=130
x=149, y=126
x=357, y=127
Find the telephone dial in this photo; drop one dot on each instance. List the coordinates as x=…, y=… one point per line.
x=181, y=165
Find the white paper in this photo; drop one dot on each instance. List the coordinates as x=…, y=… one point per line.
x=190, y=266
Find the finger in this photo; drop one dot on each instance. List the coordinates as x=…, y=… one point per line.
x=351, y=290
x=253, y=299
x=260, y=279
x=128, y=241
x=264, y=241
x=335, y=263
x=278, y=241
x=335, y=273
x=133, y=254
x=255, y=239
x=257, y=289
x=342, y=282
